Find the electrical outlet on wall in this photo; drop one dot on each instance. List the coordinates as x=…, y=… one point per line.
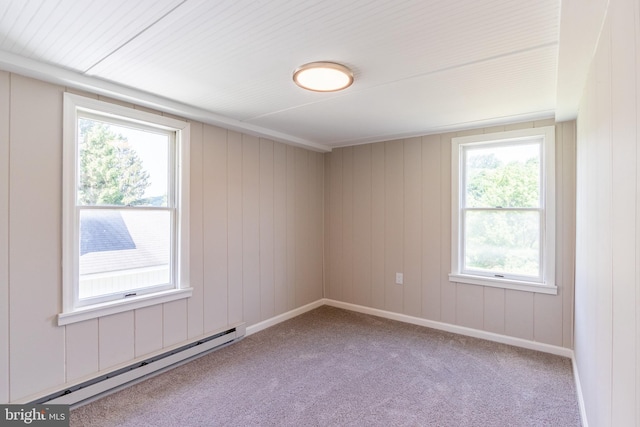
x=399, y=279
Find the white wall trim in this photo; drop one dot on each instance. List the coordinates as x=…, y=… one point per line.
x=284, y=316
x=581, y=405
x=475, y=333
x=490, y=336
x=461, y=330
x=503, y=339
x=60, y=76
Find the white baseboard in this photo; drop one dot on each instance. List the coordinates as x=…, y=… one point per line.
x=517, y=342
x=490, y=336
x=576, y=377
x=282, y=317
x=462, y=330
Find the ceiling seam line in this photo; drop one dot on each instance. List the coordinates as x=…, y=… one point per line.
x=133, y=38
x=414, y=76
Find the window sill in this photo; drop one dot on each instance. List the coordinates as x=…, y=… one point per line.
x=504, y=283
x=113, y=307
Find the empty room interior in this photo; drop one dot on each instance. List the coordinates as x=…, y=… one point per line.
x=173, y=184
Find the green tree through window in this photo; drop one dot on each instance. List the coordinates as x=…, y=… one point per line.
x=111, y=172
x=502, y=219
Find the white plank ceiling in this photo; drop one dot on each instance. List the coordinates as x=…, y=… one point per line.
x=421, y=66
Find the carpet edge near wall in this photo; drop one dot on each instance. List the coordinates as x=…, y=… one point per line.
x=447, y=327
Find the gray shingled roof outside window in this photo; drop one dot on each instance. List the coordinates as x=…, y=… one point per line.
x=123, y=240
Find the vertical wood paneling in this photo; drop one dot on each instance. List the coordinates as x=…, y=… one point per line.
x=234, y=227
x=431, y=220
x=327, y=213
x=81, y=349
x=256, y=243
x=607, y=321
x=116, y=339
x=148, y=330
x=267, y=291
x=592, y=203
x=519, y=314
x=568, y=209
x=334, y=281
x=347, y=225
x=624, y=228
x=302, y=235
x=412, y=222
x=560, y=177
x=215, y=234
x=4, y=235
x=377, y=225
x=291, y=228
x=447, y=289
x=470, y=306
x=280, y=226
x=362, y=226
x=318, y=228
x=251, y=228
x=494, y=305
x=404, y=183
x=581, y=344
x=548, y=309
x=586, y=297
x=603, y=242
x=174, y=322
x=547, y=315
x=561, y=226
x=393, y=224
x=314, y=229
x=196, y=233
x=35, y=219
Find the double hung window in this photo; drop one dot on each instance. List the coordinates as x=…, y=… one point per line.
x=125, y=194
x=503, y=216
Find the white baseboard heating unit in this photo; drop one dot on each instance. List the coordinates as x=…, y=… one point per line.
x=136, y=372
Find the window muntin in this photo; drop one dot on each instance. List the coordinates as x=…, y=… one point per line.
x=126, y=191
x=124, y=252
x=105, y=147
x=125, y=207
x=503, y=209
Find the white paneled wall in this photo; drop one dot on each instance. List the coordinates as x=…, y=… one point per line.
x=387, y=210
x=36, y=343
x=607, y=325
x=256, y=246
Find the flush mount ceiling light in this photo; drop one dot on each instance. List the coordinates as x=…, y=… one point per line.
x=323, y=76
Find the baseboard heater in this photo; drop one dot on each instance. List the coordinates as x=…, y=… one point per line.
x=137, y=371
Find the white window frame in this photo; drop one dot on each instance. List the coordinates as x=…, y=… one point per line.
x=546, y=283
x=72, y=309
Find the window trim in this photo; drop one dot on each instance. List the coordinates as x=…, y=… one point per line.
x=71, y=312
x=547, y=284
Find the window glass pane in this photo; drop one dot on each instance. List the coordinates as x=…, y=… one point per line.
x=123, y=250
x=503, y=176
x=499, y=241
x=121, y=166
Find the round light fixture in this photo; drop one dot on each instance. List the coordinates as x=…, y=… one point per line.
x=323, y=76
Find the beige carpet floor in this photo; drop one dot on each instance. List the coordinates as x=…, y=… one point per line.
x=331, y=367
